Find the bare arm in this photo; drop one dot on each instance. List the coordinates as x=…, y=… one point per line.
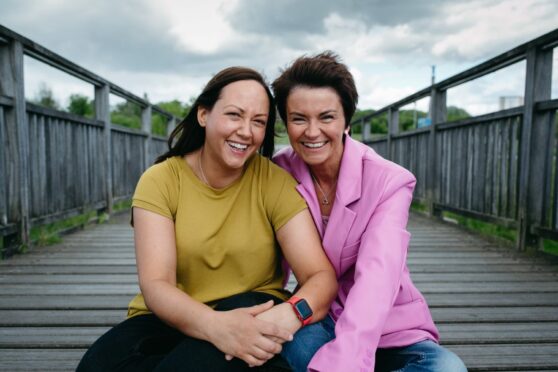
x=303, y=250
x=234, y=332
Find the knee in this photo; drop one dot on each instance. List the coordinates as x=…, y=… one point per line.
x=449, y=361
x=90, y=362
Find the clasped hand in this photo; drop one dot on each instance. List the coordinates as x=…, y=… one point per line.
x=249, y=334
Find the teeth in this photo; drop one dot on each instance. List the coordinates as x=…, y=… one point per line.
x=314, y=145
x=238, y=146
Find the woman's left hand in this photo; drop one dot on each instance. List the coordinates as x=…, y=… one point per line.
x=283, y=316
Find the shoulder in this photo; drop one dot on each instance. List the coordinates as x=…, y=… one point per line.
x=167, y=169
x=164, y=174
x=285, y=158
x=268, y=169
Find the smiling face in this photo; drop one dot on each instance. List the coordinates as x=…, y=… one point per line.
x=235, y=126
x=315, y=124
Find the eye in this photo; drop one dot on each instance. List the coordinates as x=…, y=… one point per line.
x=328, y=118
x=232, y=114
x=297, y=120
x=260, y=122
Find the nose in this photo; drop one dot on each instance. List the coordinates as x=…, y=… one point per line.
x=312, y=130
x=244, y=129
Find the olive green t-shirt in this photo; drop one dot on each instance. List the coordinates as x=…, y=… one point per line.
x=225, y=238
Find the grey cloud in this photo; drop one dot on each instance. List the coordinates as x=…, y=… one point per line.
x=302, y=17
x=122, y=35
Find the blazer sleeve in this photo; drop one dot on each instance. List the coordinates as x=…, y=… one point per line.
x=380, y=262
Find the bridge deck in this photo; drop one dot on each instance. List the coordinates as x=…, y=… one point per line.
x=497, y=310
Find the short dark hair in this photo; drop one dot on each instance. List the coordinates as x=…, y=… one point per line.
x=189, y=135
x=322, y=70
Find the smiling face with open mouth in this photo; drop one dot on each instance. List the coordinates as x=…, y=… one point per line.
x=234, y=127
x=315, y=124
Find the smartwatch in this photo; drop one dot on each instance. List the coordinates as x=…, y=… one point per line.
x=302, y=309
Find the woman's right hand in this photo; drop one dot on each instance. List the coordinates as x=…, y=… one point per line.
x=238, y=333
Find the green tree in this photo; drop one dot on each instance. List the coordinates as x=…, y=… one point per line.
x=80, y=104
x=45, y=97
x=127, y=114
x=456, y=113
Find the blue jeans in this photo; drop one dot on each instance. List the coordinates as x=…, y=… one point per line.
x=421, y=356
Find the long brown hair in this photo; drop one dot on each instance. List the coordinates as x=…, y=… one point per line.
x=189, y=135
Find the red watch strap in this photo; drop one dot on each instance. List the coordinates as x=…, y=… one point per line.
x=293, y=300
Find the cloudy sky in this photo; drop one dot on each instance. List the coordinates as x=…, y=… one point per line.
x=170, y=48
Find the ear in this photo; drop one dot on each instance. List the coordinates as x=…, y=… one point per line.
x=202, y=115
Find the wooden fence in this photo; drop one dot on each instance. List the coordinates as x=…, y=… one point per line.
x=500, y=167
x=55, y=165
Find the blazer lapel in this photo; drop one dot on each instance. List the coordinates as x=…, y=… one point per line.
x=348, y=191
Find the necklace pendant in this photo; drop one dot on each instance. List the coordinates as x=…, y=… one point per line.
x=325, y=201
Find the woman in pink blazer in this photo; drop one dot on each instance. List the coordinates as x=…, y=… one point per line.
x=360, y=204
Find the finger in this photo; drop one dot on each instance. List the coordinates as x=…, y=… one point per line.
x=257, y=309
x=252, y=361
x=269, y=329
x=270, y=346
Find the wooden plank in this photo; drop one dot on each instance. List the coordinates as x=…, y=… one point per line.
x=65, y=302
x=62, y=318
x=40, y=359
x=65, y=269
x=495, y=315
x=69, y=279
x=50, y=337
x=70, y=289
x=485, y=277
x=490, y=299
x=3, y=171
x=502, y=357
x=488, y=267
x=497, y=287
x=494, y=333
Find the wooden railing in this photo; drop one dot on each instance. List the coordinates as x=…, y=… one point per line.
x=55, y=165
x=501, y=167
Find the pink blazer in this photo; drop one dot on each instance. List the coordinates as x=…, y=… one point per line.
x=366, y=241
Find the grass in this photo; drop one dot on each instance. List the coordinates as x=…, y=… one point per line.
x=487, y=229
x=49, y=234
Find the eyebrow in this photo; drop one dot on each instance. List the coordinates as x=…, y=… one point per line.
x=328, y=112
x=243, y=111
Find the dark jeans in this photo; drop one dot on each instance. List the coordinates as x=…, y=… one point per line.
x=145, y=343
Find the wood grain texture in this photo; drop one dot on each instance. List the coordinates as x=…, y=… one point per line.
x=496, y=308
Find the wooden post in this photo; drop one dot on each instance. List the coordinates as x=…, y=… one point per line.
x=365, y=127
x=534, y=146
x=393, y=129
x=438, y=114
x=171, y=124
x=102, y=112
x=146, y=128
x=11, y=85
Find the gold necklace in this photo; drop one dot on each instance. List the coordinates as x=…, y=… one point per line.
x=325, y=199
x=204, y=179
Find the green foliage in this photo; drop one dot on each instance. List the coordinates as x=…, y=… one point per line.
x=550, y=246
x=408, y=119
x=177, y=108
x=80, y=105
x=456, y=113
x=45, y=97
x=159, y=124
x=127, y=114
x=121, y=205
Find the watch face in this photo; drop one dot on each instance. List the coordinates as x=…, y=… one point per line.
x=303, y=309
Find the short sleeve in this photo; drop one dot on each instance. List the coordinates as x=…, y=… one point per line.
x=283, y=201
x=157, y=191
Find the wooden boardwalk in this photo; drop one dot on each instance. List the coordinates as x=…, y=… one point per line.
x=497, y=310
